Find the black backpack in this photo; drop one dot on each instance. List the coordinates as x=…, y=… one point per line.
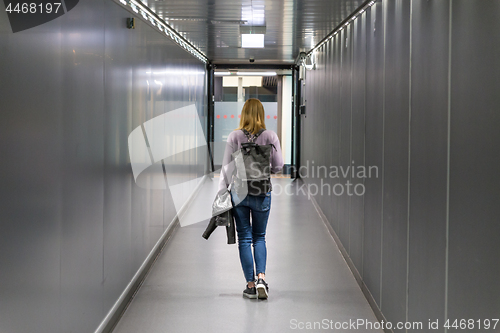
x=253, y=166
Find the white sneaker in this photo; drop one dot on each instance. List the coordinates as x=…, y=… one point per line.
x=262, y=289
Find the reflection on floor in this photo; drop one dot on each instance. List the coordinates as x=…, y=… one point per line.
x=196, y=285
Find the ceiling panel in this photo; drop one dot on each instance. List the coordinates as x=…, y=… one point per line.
x=292, y=26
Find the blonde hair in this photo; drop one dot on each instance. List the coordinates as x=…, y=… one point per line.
x=252, y=116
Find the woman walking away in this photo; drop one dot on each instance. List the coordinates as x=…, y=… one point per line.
x=254, y=205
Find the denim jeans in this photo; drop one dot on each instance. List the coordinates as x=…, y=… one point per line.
x=252, y=233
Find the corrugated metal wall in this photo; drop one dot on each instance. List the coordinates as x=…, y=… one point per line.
x=397, y=89
x=74, y=226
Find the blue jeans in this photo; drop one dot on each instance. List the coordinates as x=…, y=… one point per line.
x=254, y=233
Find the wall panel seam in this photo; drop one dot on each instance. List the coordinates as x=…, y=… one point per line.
x=351, y=45
x=450, y=23
x=364, y=143
x=103, y=277
x=409, y=166
x=384, y=19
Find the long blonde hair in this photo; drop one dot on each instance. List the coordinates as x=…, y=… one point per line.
x=252, y=116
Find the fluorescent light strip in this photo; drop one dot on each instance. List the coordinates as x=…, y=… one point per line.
x=245, y=74
x=177, y=73
x=355, y=16
x=144, y=11
x=256, y=73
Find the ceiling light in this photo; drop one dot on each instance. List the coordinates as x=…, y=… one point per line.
x=256, y=73
x=252, y=40
x=246, y=81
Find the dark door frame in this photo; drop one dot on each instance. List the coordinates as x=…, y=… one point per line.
x=296, y=102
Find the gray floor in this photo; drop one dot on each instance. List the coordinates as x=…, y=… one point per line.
x=196, y=285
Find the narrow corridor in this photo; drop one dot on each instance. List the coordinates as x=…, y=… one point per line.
x=196, y=285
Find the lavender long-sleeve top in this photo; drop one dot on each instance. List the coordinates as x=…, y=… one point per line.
x=234, y=141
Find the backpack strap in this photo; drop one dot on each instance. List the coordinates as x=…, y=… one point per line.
x=258, y=133
x=249, y=136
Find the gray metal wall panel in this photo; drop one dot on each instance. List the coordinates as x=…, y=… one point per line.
x=374, y=115
x=323, y=196
x=75, y=230
x=157, y=56
x=428, y=168
x=358, y=141
x=321, y=106
x=334, y=135
x=474, y=228
x=325, y=126
x=345, y=136
x=118, y=180
x=332, y=86
x=311, y=156
x=420, y=235
x=396, y=132
x=330, y=120
x=82, y=160
x=30, y=182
